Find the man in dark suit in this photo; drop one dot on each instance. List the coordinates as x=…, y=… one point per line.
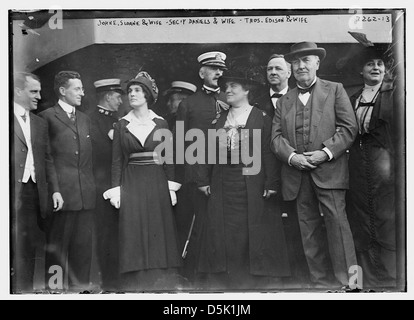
x=69, y=239
x=314, y=125
x=278, y=73
x=35, y=181
x=103, y=117
x=198, y=111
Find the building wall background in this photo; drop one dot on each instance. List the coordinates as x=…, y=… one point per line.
x=171, y=62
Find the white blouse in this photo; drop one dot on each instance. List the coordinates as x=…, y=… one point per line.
x=364, y=113
x=233, y=124
x=141, y=129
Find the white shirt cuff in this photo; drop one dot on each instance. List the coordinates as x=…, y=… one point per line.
x=329, y=153
x=173, y=186
x=112, y=193
x=290, y=158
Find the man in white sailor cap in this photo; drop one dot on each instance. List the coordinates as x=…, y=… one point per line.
x=178, y=91
x=108, y=94
x=103, y=117
x=198, y=111
x=213, y=59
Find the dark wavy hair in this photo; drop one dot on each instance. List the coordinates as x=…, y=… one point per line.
x=62, y=79
x=147, y=94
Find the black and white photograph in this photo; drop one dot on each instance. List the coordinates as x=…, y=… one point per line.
x=210, y=151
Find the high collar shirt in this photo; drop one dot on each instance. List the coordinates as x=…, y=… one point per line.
x=29, y=168
x=272, y=92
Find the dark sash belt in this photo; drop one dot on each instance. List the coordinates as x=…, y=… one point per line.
x=143, y=158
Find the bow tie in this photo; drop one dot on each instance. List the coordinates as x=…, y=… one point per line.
x=305, y=90
x=208, y=91
x=276, y=95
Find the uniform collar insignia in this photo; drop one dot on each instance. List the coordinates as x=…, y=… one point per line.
x=105, y=111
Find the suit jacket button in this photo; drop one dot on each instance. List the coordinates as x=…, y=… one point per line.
x=23, y=150
x=76, y=152
x=74, y=137
x=19, y=181
x=21, y=166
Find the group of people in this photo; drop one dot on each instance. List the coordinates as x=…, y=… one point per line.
x=164, y=223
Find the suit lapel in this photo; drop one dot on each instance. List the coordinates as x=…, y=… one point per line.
x=82, y=124
x=319, y=95
x=33, y=129
x=63, y=117
x=18, y=131
x=269, y=106
x=290, y=116
x=269, y=101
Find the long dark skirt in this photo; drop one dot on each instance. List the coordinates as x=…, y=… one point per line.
x=236, y=227
x=147, y=231
x=235, y=224
x=371, y=210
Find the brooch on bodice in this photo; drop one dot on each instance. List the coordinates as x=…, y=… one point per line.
x=233, y=136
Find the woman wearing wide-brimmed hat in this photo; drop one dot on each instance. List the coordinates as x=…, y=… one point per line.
x=371, y=195
x=242, y=242
x=144, y=190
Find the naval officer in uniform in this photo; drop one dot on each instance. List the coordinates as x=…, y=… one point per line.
x=199, y=111
x=104, y=116
x=178, y=91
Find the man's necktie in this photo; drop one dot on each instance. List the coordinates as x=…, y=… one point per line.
x=24, y=117
x=277, y=95
x=305, y=90
x=72, y=116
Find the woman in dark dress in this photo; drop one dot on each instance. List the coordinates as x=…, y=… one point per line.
x=142, y=186
x=242, y=243
x=370, y=204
